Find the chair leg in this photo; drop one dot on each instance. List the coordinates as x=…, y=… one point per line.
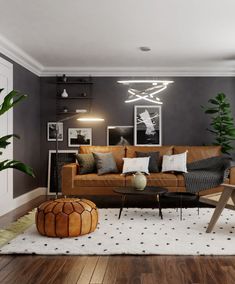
x=219, y=208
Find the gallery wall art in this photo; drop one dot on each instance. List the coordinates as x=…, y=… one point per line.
x=147, y=126
x=51, y=131
x=120, y=135
x=79, y=136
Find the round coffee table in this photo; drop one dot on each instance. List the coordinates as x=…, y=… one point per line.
x=149, y=190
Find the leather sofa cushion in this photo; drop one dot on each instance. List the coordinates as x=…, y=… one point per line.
x=157, y=179
x=181, y=182
x=93, y=180
x=198, y=152
x=118, y=152
x=163, y=150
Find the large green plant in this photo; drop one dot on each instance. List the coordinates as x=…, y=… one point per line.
x=9, y=101
x=222, y=123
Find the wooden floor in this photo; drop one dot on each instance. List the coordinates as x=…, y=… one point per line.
x=111, y=269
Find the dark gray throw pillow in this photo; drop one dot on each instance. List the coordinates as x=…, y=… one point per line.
x=153, y=161
x=86, y=163
x=105, y=163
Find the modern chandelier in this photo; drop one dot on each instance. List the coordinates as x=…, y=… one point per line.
x=145, y=90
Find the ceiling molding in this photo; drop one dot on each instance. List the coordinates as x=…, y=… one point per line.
x=210, y=71
x=19, y=56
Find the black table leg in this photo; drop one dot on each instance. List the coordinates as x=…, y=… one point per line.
x=122, y=205
x=159, y=206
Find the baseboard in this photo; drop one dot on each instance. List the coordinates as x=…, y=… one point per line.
x=22, y=199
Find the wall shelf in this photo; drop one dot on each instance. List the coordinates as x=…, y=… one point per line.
x=71, y=83
x=75, y=98
x=79, y=91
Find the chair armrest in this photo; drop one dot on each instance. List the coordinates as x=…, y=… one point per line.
x=68, y=172
x=232, y=175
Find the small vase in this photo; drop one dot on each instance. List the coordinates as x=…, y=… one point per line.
x=139, y=181
x=64, y=78
x=64, y=94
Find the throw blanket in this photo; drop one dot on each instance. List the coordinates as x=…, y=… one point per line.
x=207, y=173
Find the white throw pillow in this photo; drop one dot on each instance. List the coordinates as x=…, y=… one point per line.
x=136, y=165
x=176, y=163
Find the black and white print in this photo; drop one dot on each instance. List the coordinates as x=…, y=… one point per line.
x=147, y=128
x=51, y=131
x=79, y=136
x=120, y=135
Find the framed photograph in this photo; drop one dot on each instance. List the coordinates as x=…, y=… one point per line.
x=64, y=157
x=79, y=136
x=120, y=135
x=51, y=131
x=147, y=126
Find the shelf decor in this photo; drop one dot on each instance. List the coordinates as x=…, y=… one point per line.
x=64, y=94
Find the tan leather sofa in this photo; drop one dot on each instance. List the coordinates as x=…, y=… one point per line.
x=92, y=184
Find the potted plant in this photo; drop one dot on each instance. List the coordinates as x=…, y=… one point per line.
x=222, y=123
x=10, y=101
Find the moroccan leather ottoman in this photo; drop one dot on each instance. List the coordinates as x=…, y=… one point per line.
x=66, y=217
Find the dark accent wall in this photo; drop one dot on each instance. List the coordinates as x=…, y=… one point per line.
x=183, y=121
x=27, y=125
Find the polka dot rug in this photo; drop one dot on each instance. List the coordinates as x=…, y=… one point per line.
x=138, y=231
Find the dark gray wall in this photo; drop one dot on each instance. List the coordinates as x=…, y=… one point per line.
x=183, y=121
x=27, y=125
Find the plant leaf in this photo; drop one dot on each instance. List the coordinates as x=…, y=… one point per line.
x=8, y=101
x=7, y=164
x=4, y=142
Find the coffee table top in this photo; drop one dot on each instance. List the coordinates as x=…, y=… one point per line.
x=149, y=190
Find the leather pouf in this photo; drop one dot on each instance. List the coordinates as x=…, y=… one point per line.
x=66, y=217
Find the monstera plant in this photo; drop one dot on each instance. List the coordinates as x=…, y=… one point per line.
x=10, y=101
x=222, y=123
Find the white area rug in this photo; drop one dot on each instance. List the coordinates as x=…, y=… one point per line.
x=139, y=231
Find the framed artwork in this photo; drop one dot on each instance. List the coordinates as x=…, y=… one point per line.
x=79, y=136
x=147, y=126
x=64, y=157
x=51, y=131
x=120, y=135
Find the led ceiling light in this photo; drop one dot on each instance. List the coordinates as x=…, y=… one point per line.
x=147, y=94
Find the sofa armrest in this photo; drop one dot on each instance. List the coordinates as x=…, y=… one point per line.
x=69, y=171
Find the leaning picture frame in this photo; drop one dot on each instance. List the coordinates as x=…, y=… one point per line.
x=147, y=125
x=120, y=135
x=64, y=157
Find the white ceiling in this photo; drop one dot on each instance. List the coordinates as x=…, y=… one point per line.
x=186, y=37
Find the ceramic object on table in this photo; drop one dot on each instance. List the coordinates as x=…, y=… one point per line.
x=139, y=181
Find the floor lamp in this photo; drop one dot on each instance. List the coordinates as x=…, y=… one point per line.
x=84, y=119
